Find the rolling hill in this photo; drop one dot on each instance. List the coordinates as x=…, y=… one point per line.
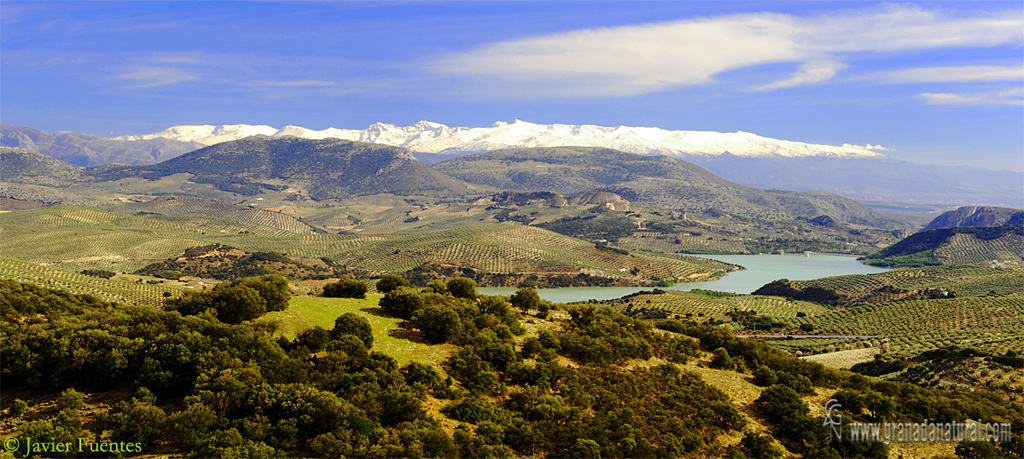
x=977, y=216
x=957, y=245
x=326, y=169
x=653, y=180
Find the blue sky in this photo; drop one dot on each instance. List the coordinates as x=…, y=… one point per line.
x=939, y=83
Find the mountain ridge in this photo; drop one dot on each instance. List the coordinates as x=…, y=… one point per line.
x=430, y=137
x=655, y=180
x=975, y=216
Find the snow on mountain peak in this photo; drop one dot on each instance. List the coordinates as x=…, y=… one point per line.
x=430, y=137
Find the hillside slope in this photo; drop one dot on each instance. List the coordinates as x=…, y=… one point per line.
x=327, y=169
x=654, y=180
x=956, y=245
x=977, y=216
x=19, y=165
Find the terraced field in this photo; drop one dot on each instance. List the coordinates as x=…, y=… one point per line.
x=684, y=303
x=964, y=280
x=118, y=290
x=988, y=323
x=968, y=248
x=667, y=243
x=75, y=238
x=207, y=213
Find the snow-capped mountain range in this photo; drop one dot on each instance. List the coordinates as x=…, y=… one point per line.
x=428, y=137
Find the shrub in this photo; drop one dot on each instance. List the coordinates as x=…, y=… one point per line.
x=98, y=273
x=346, y=287
x=525, y=299
x=356, y=325
x=403, y=303
x=237, y=301
x=462, y=287
x=392, y=282
x=439, y=323
x=17, y=408
x=722, y=360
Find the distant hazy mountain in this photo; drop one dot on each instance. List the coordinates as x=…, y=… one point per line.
x=90, y=150
x=977, y=216
x=873, y=179
x=428, y=137
x=848, y=170
x=654, y=180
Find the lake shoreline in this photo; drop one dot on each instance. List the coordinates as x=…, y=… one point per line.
x=756, y=270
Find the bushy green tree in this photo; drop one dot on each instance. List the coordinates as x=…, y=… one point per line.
x=760, y=446
x=525, y=299
x=721, y=360
x=346, y=287
x=439, y=323
x=316, y=338
x=236, y=301
x=403, y=302
x=437, y=286
x=391, y=282
x=356, y=325
x=137, y=421
x=462, y=287
x=17, y=408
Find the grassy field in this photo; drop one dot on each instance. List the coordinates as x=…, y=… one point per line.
x=76, y=238
x=844, y=359
x=405, y=346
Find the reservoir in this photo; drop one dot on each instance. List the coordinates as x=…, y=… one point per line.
x=761, y=269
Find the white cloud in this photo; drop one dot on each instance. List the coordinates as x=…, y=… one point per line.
x=866, y=147
x=624, y=61
x=148, y=77
x=639, y=59
x=1007, y=97
x=961, y=74
x=808, y=73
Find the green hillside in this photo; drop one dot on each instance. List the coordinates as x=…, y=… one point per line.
x=77, y=238
x=655, y=180
x=25, y=166
x=324, y=169
x=328, y=168
x=955, y=245
x=977, y=216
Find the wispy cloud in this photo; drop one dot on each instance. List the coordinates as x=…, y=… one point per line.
x=953, y=74
x=808, y=73
x=1007, y=97
x=149, y=77
x=639, y=59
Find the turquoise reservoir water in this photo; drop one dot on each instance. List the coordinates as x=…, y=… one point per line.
x=761, y=269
